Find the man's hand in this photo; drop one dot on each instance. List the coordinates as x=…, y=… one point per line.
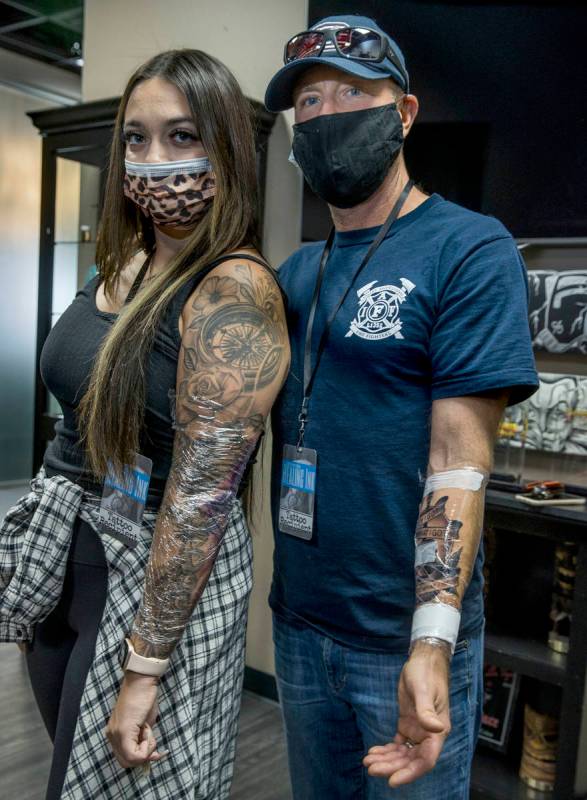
x=130, y=728
x=424, y=718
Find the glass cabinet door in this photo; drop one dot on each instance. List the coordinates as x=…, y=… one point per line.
x=78, y=190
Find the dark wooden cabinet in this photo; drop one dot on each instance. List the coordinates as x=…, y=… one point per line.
x=494, y=778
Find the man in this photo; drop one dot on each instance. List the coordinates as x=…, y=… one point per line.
x=409, y=335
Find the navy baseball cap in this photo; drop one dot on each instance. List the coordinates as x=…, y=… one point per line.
x=279, y=95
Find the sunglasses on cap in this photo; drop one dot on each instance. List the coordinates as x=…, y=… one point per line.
x=358, y=44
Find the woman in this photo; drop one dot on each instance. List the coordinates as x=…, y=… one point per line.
x=176, y=351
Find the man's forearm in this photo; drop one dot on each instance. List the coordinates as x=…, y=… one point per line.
x=447, y=540
x=450, y=520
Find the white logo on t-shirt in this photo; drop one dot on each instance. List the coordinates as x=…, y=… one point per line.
x=378, y=314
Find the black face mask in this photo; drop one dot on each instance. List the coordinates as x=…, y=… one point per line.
x=345, y=157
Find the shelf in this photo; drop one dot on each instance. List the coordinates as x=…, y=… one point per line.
x=493, y=778
x=555, y=241
x=559, y=523
x=527, y=657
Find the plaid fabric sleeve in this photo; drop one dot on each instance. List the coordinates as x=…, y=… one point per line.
x=199, y=695
x=34, y=542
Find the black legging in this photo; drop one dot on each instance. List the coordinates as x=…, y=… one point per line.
x=63, y=648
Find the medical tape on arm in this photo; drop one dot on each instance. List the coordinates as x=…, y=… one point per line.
x=439, y=550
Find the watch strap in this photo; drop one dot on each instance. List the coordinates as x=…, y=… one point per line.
x=143, y=664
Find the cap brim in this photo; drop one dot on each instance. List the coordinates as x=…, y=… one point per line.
x=279, y=94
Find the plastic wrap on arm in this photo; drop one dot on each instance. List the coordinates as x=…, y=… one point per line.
x=447, y=540
x=211, y=452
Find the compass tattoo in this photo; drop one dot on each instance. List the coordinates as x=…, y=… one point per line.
x=233, y=361
x=237, y=342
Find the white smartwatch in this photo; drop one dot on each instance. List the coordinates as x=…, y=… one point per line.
x=141, y=664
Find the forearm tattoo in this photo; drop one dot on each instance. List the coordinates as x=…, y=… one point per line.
x=447, y=540
x=438, y=553
x=234, y=360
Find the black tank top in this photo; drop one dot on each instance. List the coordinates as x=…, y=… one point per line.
x=66, y=365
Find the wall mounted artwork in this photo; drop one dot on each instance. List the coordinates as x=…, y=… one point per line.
x=558, y=310
x=554, y=419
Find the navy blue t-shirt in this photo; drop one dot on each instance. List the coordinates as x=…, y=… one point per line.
x=439, y=311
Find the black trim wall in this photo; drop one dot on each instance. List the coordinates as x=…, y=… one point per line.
x=261, y=683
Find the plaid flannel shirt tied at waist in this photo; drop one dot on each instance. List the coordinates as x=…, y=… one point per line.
x=34, y=544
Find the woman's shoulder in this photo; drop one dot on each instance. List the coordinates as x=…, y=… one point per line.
x=233, y=276
x=242, y=279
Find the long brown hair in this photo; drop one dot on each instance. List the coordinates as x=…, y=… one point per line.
x=112, y=410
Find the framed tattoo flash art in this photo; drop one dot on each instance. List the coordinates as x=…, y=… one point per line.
x=554, y=419
x=500, y=689
x=558, y=310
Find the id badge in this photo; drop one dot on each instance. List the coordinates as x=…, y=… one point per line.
x=123, y=501
x=298, y=491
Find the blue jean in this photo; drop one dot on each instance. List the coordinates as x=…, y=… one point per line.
x=337, y=702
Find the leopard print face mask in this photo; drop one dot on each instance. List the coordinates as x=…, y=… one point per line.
x=172, y=193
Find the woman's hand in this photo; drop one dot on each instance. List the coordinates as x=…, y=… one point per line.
x=130, y=728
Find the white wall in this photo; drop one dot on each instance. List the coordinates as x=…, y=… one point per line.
x=248, y=37
x=25, y=85
x=20, y=194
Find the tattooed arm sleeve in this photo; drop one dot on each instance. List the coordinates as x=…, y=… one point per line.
x=233, y=361
x=451, y=514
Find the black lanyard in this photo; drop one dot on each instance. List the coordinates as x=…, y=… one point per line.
x=309, y=372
